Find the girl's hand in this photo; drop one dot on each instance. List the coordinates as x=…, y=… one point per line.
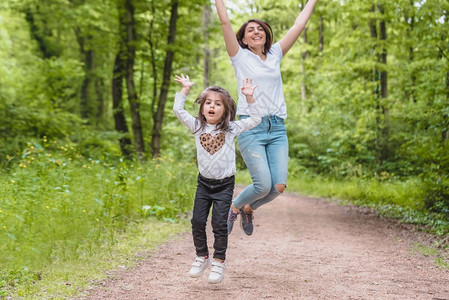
x=248, y=88
x=184, y=80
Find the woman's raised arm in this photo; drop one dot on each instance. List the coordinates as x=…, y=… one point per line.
x=300, y=23
x=232, y=45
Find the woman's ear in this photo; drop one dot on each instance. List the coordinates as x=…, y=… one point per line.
x=244, y=41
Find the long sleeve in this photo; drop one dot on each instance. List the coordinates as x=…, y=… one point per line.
x=183, y=116
x=249, y=123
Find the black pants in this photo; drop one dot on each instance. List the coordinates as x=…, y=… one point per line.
x=218, y=195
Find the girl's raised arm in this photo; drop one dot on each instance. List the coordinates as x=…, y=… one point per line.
x=232, y=45
x=300, y=23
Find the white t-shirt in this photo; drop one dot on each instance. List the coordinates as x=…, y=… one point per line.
x=215, y=149
x=267, y=74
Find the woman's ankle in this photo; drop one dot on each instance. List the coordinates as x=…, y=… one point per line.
x=247, y=209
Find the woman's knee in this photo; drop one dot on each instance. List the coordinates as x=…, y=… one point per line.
x=262, y=189
x=280, y=187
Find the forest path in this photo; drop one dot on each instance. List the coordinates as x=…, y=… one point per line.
x=302, y=248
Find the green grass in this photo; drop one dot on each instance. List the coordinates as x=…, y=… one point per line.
x=390, y=197
x=439, y=256
x=58, y=208
x=62, y=279
x=66, y=219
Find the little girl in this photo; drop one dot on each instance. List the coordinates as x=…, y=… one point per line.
x=214, y=129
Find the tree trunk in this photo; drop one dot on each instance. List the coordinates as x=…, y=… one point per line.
x=380, y=77
x=410, y=29
x=129, y=77
x=153, y=58
x=321, y=35
x=88, y=68
x=373, y=33
x=383, y=55
x=304, y=55
x=385, y=128
x=206, y=24
x=99, y=88
x=445, y=131
x=37, y=35
x=88, y=61
x=159, y=115
x=117, y=105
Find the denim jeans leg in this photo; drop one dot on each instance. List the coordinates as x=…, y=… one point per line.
x=252, y=147
x=277, y=153
x=265, y=151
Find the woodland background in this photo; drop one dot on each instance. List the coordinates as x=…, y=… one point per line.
x=86, y=94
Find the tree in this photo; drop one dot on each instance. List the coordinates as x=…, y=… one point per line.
x=380, y=77
x=127, y=31
x=159, y=115
x=117, y=103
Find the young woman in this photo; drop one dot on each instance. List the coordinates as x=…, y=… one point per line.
x=265, y=147
x=214, y=130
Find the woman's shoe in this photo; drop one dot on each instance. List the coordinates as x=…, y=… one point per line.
x=247, y=222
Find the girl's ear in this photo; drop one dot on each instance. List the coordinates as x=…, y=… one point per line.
x=244, y=41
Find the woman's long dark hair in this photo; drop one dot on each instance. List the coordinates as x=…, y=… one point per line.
x=268, y=33
x=228, y=103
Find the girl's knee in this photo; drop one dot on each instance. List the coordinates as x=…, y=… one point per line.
x=197, y=223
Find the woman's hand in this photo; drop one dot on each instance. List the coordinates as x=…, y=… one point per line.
x=300, y=23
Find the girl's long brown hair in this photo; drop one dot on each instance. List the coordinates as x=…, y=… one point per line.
x=268, y=33
x=228, y=103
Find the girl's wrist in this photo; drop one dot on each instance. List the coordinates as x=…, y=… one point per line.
x=185, y=90
x=250, y=99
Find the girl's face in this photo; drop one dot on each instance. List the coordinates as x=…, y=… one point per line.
x=255, y=36
x=213, y=108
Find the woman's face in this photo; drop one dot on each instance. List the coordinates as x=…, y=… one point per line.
x=255, y=36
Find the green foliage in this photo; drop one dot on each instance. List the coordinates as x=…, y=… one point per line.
x=436, y=197
x=338, y=124
x=387, y=195
x=57, y=205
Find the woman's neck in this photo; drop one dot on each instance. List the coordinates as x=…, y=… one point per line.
x=259, y=52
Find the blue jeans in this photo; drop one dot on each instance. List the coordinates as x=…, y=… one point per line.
x=265, y=152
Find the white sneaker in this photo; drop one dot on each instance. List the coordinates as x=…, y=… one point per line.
x=217, y=272
x=199, y=266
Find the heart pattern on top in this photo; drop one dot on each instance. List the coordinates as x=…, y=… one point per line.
x=212, y=143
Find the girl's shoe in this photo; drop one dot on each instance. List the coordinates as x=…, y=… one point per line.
x=217, y=271
x=232, y=216
x=199, y=266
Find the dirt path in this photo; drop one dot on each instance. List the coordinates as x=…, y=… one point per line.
x=302, y=248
